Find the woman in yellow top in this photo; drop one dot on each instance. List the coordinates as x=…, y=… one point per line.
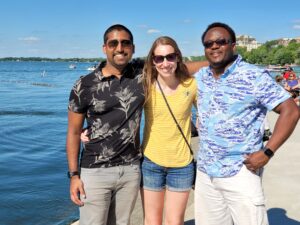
x=167, y=167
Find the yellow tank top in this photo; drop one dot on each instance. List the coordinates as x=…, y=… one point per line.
x=163, y=143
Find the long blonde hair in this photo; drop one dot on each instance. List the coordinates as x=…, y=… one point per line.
x=150, y=73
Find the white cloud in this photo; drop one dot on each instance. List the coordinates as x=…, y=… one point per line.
x=151, y=31
x=187, y=21
x=143, y=26
x=30, y=39
x=296, y=26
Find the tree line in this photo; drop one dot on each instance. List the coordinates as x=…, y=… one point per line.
x=273, y=53
x=40, y=59
x=270, y=53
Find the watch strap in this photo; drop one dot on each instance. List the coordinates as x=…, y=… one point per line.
x=72, y=174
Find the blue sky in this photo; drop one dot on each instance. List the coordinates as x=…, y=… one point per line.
x=74, y=28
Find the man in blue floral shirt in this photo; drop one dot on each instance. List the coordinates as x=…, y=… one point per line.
x=233, y=99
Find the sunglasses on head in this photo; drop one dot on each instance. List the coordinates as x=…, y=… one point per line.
x=219, y=42
x=172, y=57
x=115, y=43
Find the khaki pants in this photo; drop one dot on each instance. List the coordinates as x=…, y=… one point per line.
x=232, y=200
x=111, y=194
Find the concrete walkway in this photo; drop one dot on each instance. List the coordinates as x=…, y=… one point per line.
x=281, y=183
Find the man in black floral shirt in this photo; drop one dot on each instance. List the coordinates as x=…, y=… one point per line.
x=111, y=100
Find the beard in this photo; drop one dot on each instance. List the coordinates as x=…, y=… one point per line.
x=223, y=63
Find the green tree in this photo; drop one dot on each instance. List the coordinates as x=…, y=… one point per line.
x=242, y=51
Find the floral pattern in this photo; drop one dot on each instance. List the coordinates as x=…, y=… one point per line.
x=113, y=109
x=231, y=111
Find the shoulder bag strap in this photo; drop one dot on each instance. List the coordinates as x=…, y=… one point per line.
x=179, y=128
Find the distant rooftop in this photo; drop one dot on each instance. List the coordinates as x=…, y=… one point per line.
x=247, y=41
x=286, y=41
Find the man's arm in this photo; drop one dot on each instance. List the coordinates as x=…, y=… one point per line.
x=75, y=123
x=285, y=124
x=194, y=67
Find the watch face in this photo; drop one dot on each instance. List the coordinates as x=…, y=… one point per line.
x=269, y=152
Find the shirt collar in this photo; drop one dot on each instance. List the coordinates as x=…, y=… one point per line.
x=98, y=71
x=230, y=69
x=126, y=72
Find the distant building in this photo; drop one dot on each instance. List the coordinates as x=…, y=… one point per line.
x=247, y=41
x=286, y=41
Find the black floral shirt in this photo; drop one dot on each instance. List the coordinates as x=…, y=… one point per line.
x=113, y=109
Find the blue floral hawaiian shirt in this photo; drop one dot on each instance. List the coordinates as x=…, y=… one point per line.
x=231, y=113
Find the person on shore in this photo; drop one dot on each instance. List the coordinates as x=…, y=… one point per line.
x=292, y=82
x=233, y=99
x=289, y=71
x=292, y=86
x=167, y=167
x=110, y=99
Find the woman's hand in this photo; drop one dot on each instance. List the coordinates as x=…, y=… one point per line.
x=84, y=136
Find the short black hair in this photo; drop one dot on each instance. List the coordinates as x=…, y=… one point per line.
x=223, y=25
x=118, y=27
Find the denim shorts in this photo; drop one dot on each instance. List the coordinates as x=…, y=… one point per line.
x=157, y=178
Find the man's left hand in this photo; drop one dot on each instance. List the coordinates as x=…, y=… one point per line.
x=256, y=160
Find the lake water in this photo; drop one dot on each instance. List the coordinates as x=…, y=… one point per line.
x=33, y=119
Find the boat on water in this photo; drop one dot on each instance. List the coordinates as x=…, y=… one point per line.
x=274, y=68
x=72, y=66
x=92, y=68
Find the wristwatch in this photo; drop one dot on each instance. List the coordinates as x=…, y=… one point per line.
x=72, y=174
x=268, y=152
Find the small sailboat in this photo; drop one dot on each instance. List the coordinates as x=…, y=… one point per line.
x=72, y=66
x=43, y=73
